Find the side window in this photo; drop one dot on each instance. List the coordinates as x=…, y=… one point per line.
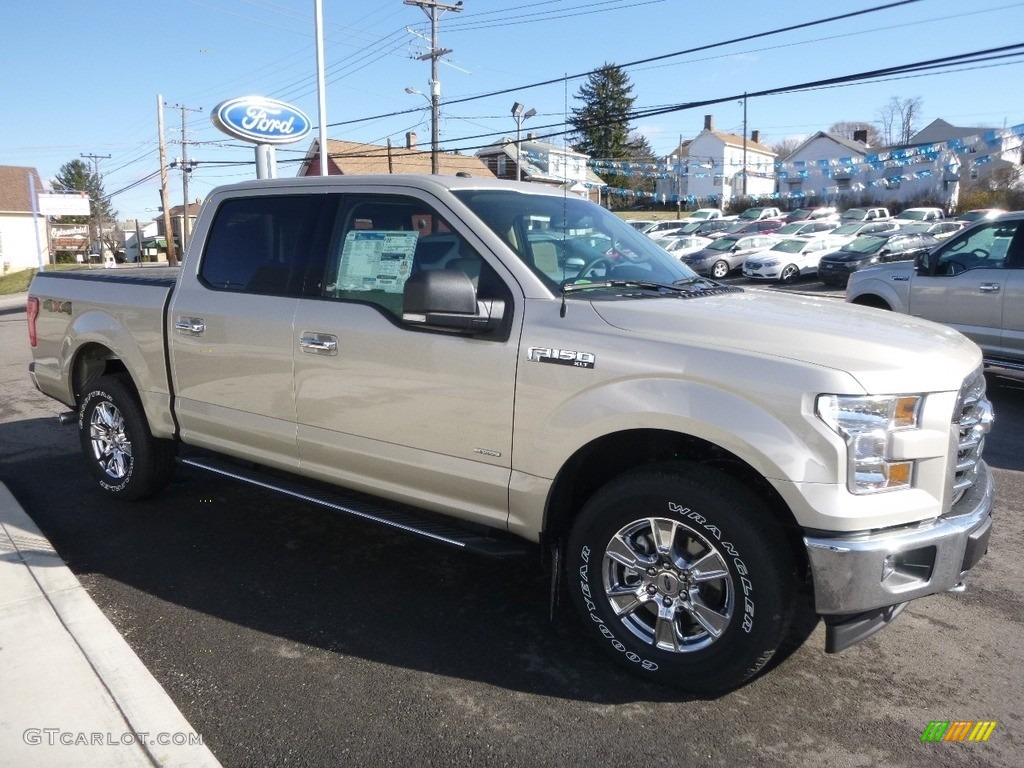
x=259, y=245
x=982, y=247
x=379, y=241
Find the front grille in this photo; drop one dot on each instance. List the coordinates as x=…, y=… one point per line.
x=972, y=419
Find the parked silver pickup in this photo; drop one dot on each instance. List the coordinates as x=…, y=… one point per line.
x=974, y=283
x=522, y=368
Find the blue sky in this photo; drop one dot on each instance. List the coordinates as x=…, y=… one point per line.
x=84, y=77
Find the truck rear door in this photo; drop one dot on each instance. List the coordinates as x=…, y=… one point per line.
x=231, y=326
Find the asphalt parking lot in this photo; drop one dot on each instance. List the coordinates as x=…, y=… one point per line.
x=290, y=636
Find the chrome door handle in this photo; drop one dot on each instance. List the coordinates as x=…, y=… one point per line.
x=318, y=343
x=989, y=287
x=191, y=326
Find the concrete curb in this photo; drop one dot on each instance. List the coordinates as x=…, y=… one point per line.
x=74, y=692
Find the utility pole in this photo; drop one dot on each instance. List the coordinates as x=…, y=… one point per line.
x=96, y=213
x=165, y=204
x=431, y=8
x=744, y=144
x=186, y=168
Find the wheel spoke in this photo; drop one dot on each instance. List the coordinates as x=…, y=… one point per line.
x=622, y=552
x=625, y=600
x=713, y=621
x=665, y=629
x=708, y=568
x=664, y=533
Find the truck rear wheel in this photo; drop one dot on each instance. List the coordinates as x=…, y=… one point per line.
x=122, y=454
x=682, y=576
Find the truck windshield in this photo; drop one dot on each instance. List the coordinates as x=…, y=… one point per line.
x=566, y=240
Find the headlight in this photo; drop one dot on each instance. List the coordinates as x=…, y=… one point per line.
x=867, y=424
x=770, y=263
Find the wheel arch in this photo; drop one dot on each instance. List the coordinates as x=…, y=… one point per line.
x=871, y=300
x=610, y=456
x=90, y=361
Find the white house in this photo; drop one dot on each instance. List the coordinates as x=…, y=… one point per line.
x=23, y=241
x=543, y=163
x=823, y=166
x=724, y=166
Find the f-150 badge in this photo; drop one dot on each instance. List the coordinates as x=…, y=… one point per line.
x=561, y=357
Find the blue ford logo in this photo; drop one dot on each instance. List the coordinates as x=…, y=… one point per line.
x=260, y=120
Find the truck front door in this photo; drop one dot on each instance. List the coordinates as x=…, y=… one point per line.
x=967, y=285
x=418, y=416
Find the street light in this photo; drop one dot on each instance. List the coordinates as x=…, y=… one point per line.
x=519, y=115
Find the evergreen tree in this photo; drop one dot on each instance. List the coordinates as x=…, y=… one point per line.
x=602, y=127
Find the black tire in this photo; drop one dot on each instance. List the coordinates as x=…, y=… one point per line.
x=790, y=273
x=714, y=528
x=122, y=454
x=719, y=269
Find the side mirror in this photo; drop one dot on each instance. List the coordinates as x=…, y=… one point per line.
x=446, y=299
x=922, y=263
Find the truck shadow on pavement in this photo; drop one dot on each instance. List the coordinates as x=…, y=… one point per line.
x=257, y=580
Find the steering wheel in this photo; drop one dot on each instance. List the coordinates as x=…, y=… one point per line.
x=601, y=260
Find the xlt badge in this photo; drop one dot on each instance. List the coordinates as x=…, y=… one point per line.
x=561, y=357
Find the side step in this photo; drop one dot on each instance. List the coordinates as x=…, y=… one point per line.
x=359, y=506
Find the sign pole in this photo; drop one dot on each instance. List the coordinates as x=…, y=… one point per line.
x=35, y=220
x=321, y=97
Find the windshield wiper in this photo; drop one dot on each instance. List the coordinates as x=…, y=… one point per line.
x=649, y=285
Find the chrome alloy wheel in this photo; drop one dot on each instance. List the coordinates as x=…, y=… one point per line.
x=668, y=584
x=110, y=444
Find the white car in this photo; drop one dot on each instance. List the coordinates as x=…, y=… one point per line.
x=706, y=213
x=788, y=260
x=684, y=244
x=659, y=228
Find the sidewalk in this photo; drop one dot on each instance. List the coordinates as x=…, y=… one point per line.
x=13, y=301
x=72, y=692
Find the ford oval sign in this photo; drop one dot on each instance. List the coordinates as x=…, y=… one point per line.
x=260, y=120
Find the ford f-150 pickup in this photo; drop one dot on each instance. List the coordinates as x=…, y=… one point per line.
x=520, y=368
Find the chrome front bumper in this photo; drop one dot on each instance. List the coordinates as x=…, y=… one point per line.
x=866, y=572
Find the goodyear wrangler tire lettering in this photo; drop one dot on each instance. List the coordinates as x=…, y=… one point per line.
x=122, y=454
x=684, y=575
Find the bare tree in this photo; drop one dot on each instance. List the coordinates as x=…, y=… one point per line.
x=783, y=148
x=847, y=129
x=898, y=118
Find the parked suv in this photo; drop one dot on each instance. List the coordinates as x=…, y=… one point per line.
x=920, y=214
x=865, y=214
x=835, y=268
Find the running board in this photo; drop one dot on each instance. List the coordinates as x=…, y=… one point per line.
x=341, y=501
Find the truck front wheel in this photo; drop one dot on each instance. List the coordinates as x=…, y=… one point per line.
x=122, y=454
x=682, y=576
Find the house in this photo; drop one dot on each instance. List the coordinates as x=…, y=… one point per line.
x=822, y=166
x=721, y=166
x=351, y=157
x=23, y=241
x=177, y=224
x=142, y=241
x=931, y=166
x=543, y=163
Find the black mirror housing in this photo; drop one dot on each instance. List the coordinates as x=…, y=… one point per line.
x=446, y=299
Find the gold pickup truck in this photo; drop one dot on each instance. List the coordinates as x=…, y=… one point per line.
x=496, y=366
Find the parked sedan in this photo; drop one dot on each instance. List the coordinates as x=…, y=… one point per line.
x=765, y=226
x=835, y=268
x=940, y=230
x=787, y=260
x=846, y=233
x=726, y=254
x=809, y=227
x=684, y=244
x=811, y=214
x=708, y=228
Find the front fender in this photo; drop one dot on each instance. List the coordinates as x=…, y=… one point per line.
x=892, y=287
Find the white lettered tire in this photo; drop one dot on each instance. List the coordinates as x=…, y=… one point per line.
x=682, y=575
x=122, y=454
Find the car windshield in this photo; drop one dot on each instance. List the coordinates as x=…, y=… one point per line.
x=723, y=244
x=751, y=214
x=789, y=246
x=848, y=229
x=917, y=226
x=565, y=239
x=864, y=244
x=799, y=214
x=791, y=229
x=855, y=213
x=912, y=215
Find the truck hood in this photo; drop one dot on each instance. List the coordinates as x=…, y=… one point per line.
x=885, y=352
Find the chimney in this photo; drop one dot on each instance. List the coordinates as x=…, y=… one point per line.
x=861, y=136
x=755, y=136
x=709, y=122
x=410, y=140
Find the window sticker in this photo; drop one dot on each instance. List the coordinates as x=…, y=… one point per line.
x=373, y=260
